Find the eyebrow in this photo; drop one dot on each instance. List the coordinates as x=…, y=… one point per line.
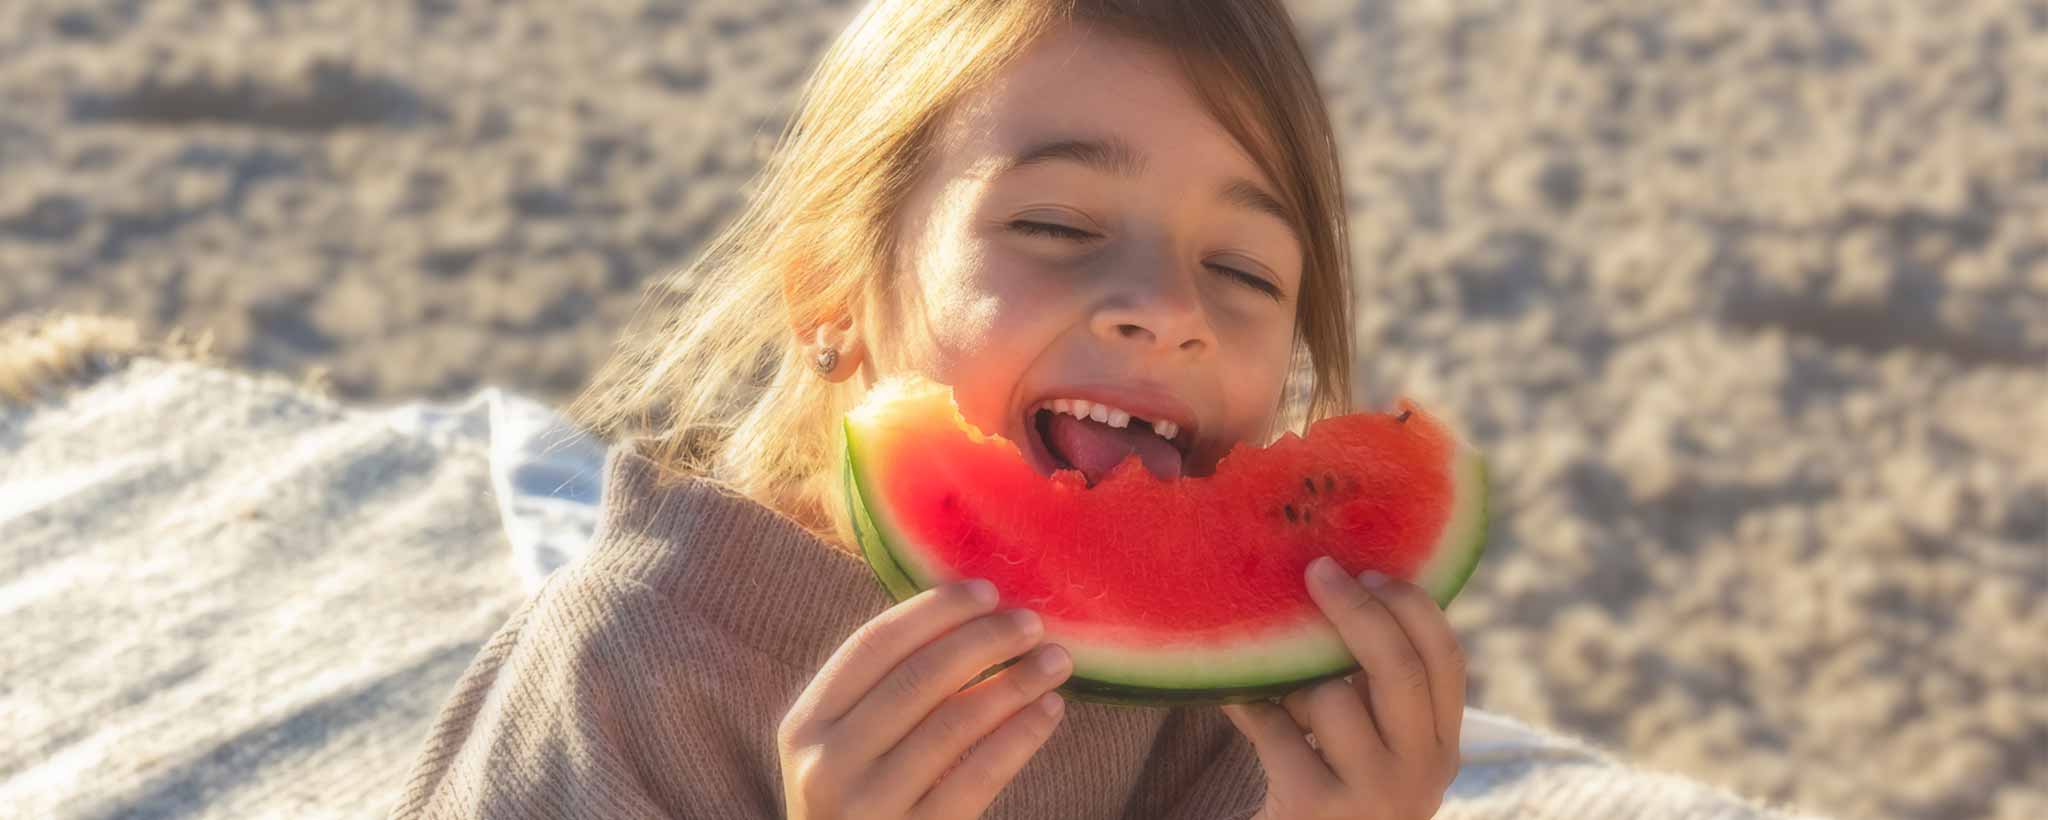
x=1244, y=194
x=1110, y=156
x=1114, y=156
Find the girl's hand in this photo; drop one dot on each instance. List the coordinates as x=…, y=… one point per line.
x=1386, y=740
x=880, y=729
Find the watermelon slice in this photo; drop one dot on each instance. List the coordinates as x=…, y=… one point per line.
x=1165, y=592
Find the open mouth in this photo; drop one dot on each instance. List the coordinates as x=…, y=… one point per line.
x=1094, y=438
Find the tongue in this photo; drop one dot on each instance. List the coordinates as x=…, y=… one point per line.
x=1093, y=447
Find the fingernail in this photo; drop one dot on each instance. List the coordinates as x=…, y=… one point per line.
x=984, y=592
x=1052, y=660
x=1050, y=703
x=1325, y=569
x=1372, y=580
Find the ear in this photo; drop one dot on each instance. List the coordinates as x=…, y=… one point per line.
x=840, y=336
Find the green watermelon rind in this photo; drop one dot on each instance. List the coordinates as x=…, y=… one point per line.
x=1458, y=550
x=1443, y=577
x=873, y=545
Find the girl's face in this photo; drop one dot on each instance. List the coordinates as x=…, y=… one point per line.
x=1084, y=230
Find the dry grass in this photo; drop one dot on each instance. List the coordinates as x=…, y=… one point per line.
x=43, y=352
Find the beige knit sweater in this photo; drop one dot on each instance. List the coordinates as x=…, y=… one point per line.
x=648, y=681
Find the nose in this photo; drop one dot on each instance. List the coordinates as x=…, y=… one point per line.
x=1158, y=307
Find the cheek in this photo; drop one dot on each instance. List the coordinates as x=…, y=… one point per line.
x=987, y=324
x=1256, y=378
x=965, y=305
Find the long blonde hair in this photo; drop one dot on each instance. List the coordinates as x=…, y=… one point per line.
x=710, y=373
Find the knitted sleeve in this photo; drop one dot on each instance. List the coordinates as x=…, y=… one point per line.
x=594, y=701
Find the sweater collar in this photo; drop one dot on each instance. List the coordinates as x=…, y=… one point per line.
x=731, y=560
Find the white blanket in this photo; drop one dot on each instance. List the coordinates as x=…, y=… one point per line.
x=221, y=596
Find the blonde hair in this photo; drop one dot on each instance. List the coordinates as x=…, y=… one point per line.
x=710, y=372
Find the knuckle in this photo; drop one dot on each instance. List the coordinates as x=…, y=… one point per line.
x=862, y=803
x=815, y=781
x=1446, y=775
x=869, y=639
x=995, y=629
x=1403, y=591
x=975, y=776
x=1023, y=688
x=911, y=678
x=1362, y=604
x=960, y=598
x=1411, y=673
x=800, y=731
x=1006, y=628
x=1028, y=725
x=1454, y=657
x=1043, y=724
x=789, y=734
x=950, y=723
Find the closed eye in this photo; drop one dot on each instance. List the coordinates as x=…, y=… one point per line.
x=1057, y=231
x=1252, y=280
x=1027, y=227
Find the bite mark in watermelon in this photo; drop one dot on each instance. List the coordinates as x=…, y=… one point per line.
x=1165, y=592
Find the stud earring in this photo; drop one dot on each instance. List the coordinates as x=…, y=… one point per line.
x=828, y=360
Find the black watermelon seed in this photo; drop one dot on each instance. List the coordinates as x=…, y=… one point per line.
x=1290, y=514
x=1310, y=483
x=1329, y=484
x=1401, y=418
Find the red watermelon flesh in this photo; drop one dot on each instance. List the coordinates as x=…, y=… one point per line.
x=1179, y=590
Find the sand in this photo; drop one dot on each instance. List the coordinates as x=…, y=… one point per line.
x=1747, y=301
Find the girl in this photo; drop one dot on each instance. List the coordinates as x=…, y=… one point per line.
x=1132, y=203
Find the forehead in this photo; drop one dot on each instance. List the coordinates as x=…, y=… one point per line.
x=1080, y=81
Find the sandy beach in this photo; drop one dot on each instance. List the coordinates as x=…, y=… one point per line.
x=1747, y=302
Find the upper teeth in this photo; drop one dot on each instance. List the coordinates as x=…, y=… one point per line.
x=1114, y=417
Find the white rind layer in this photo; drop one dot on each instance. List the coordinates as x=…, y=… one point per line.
x=1284, y=653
